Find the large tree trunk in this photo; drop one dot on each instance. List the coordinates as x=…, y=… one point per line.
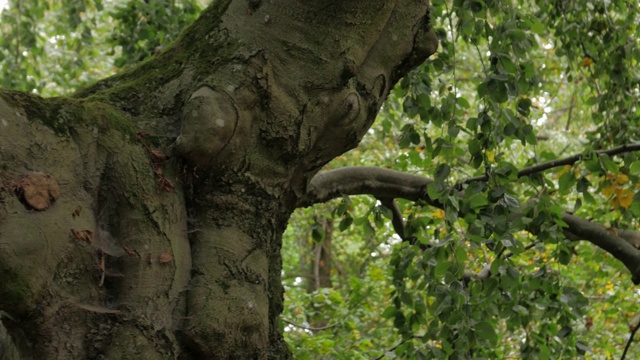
x=142, y=217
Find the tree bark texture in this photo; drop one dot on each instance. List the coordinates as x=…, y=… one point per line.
x=142, y=216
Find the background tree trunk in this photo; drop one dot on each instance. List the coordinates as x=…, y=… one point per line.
x=143, y=216
x=320, y=271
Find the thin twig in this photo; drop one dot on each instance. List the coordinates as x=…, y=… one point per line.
x=558, y=162
x=634, y=329
x=309, y=327
x=316, y=265
x=528, y=247
x=396, y=346
x=573, y=100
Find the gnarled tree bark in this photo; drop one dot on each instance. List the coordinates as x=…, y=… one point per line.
x=142, y=217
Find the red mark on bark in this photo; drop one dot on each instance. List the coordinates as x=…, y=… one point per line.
x=165, y=257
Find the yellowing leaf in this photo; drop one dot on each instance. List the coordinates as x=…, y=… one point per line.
x=608, y=191
x=586, y=62
x=563, y=171
x=625, y=198
x=615, y=203
x=622, y=179
x=376, y=274
x=438, y=214
x=609, y=286
x=491, y=155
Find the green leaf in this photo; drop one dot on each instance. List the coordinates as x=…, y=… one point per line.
x=565, y=331
x=577, y=205
x=519, y=309
x=592, y=100
x=406, y=298
x=441, y=268
x=583, y=184
x=342, y=208
x=634, y=168
x=442, y=172
x=453, y=131
x=444, y=307
x=564, y=256
x=345, y=223
x=462, y=102
x=461, y=255
x=506, y=65
x=317, y=233
x=478, y=200
x=583, y=348
x=591, y=162
x=609, y=164
x=511, y=201
x=485, y=330
x=524, y=106
x=435, y=190
x=566, y=182
x=474, y=147
x=537, y=26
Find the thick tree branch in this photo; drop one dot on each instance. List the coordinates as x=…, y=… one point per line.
x=381, y=183
x=559, y=162
x=597, y=234
x=384, y=183
x=632, y=236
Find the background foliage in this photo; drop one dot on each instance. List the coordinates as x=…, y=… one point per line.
x=55, y=47
x=514, y=83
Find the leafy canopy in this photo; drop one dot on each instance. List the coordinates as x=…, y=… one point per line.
x=514, y=84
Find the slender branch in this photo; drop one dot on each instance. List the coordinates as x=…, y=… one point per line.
x=316, y=266
x=396, y=346
x=634, y=329
x=559, y=162
x=573, y=100
x=310, y=328
x=384, y=183
x=528, y=247
x=485, y=272
x=396, y=220
x=293, y=276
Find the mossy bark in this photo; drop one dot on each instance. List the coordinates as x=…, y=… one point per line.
x=177, y=177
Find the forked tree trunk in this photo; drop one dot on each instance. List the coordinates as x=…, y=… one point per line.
x=142, y=217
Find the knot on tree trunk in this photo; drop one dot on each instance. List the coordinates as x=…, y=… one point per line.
x=208, y=123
